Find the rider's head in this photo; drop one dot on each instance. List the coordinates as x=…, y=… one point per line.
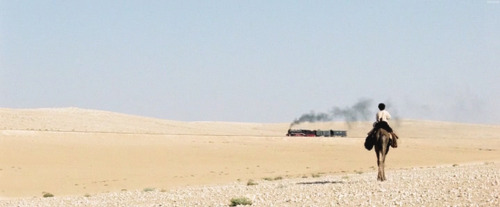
x=381, y=106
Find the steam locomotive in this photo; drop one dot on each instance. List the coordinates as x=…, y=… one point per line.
x=316, y=133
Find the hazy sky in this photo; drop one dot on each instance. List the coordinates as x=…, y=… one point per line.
x=253, y=61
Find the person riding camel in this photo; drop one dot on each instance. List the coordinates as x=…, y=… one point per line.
x=382, y=119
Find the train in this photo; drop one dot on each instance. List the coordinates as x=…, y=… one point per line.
x=316, y=133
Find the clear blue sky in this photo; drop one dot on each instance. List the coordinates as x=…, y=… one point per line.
x=253, y=61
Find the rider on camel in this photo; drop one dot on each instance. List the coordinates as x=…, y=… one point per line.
x=382, y=119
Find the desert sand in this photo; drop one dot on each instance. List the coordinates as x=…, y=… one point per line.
x=77, y=152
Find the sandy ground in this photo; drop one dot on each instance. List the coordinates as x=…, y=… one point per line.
x=450, y=185
x=73, y=151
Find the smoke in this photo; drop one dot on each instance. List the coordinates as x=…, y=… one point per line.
x=312, y=117
x=360, y=111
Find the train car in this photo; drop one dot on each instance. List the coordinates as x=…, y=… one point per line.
x=324, y=133
x=316, y=133
x=339, y=133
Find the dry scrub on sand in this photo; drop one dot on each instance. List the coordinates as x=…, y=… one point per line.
x=74, y=152
x=464, y=185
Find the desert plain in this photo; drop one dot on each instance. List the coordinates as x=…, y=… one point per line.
x=81, y=152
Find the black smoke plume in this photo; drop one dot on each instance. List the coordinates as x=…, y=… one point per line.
x=312, y=117
x=360, y=111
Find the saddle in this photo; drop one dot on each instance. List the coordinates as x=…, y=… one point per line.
x=370, y=139
x=393, y=140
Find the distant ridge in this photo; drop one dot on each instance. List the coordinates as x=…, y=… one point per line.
x=79, y=120
x=73, y=119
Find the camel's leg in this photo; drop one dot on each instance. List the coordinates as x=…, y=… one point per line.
x=380, y=164
x=383, y=153
x=381, y=172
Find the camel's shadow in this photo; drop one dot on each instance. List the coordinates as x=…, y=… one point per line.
x=320, y=182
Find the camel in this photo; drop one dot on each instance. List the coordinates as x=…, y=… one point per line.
x=382, y=146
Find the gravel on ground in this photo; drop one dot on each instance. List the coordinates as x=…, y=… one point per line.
x=452, y=185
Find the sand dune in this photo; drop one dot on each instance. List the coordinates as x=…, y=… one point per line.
x=71, y=151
